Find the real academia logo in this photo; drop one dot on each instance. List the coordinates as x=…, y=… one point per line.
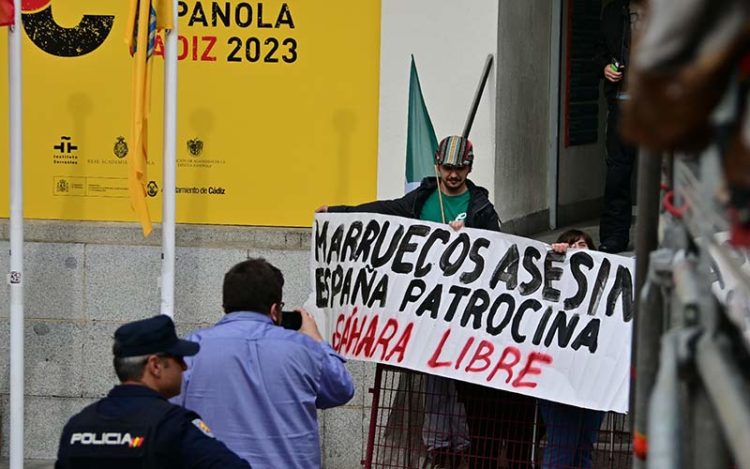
x=46, y=34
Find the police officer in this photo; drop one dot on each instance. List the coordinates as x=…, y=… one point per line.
x=135, y=426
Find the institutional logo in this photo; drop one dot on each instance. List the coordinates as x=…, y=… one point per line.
x=121, y=147
x=63, y=185
x=195, y=146
x=65, y=146
x=64, y=152
x=152, y=189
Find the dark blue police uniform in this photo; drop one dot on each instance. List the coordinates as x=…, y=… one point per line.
x=136, y=427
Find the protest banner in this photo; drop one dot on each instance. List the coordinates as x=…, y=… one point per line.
x=478, y=306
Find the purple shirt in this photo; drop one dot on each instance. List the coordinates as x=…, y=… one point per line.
x=258, y=386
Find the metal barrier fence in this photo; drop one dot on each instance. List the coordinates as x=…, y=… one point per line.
x=692, y=403
x=422, y=421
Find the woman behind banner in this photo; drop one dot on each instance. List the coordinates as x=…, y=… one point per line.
x=571, y=431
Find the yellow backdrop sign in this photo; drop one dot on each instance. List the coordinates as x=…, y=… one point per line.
x=277, y=110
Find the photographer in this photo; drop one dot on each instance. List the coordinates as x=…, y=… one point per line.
x=259, y=384
x=618, y=21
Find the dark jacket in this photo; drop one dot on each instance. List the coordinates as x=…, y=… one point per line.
x=613, y=42
x=480, y=214
x=136, y=427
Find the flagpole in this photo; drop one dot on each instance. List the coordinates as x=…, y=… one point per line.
x=15, y=277
x=168, y=189
x=440, y=194
x=477, y=96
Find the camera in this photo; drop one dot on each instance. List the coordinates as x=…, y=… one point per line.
x=291, y=320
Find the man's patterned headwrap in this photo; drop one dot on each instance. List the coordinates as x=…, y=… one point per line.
x=455, y=151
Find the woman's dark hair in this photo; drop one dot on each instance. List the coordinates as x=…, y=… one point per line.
x=571, y=236
x=252, y=285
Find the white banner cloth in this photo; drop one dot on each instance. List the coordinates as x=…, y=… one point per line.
x=475, y=305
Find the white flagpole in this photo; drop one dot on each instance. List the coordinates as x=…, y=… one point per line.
x=168, y=188
x=15, y=277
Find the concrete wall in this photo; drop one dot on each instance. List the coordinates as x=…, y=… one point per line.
x=82, y=280
x=522, y=113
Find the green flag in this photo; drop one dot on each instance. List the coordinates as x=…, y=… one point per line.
x=421, y=142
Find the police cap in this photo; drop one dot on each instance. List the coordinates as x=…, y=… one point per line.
x=150, y=336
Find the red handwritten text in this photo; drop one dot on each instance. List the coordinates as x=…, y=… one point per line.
x=362, y=335
x=484, y=357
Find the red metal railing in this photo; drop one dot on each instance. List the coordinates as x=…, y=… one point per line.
x=422, y=421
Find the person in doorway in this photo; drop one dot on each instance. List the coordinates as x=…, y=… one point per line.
x=135, y=425
x=571, y=431
x=618, y=21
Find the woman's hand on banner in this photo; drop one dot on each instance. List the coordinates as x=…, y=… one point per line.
x=560, y=247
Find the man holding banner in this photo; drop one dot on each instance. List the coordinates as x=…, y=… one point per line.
x=458, y=202
x=453, y=198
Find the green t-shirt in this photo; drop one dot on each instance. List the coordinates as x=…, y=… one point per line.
x=455, y=207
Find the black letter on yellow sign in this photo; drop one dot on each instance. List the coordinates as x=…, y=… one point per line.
x=54, y=39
